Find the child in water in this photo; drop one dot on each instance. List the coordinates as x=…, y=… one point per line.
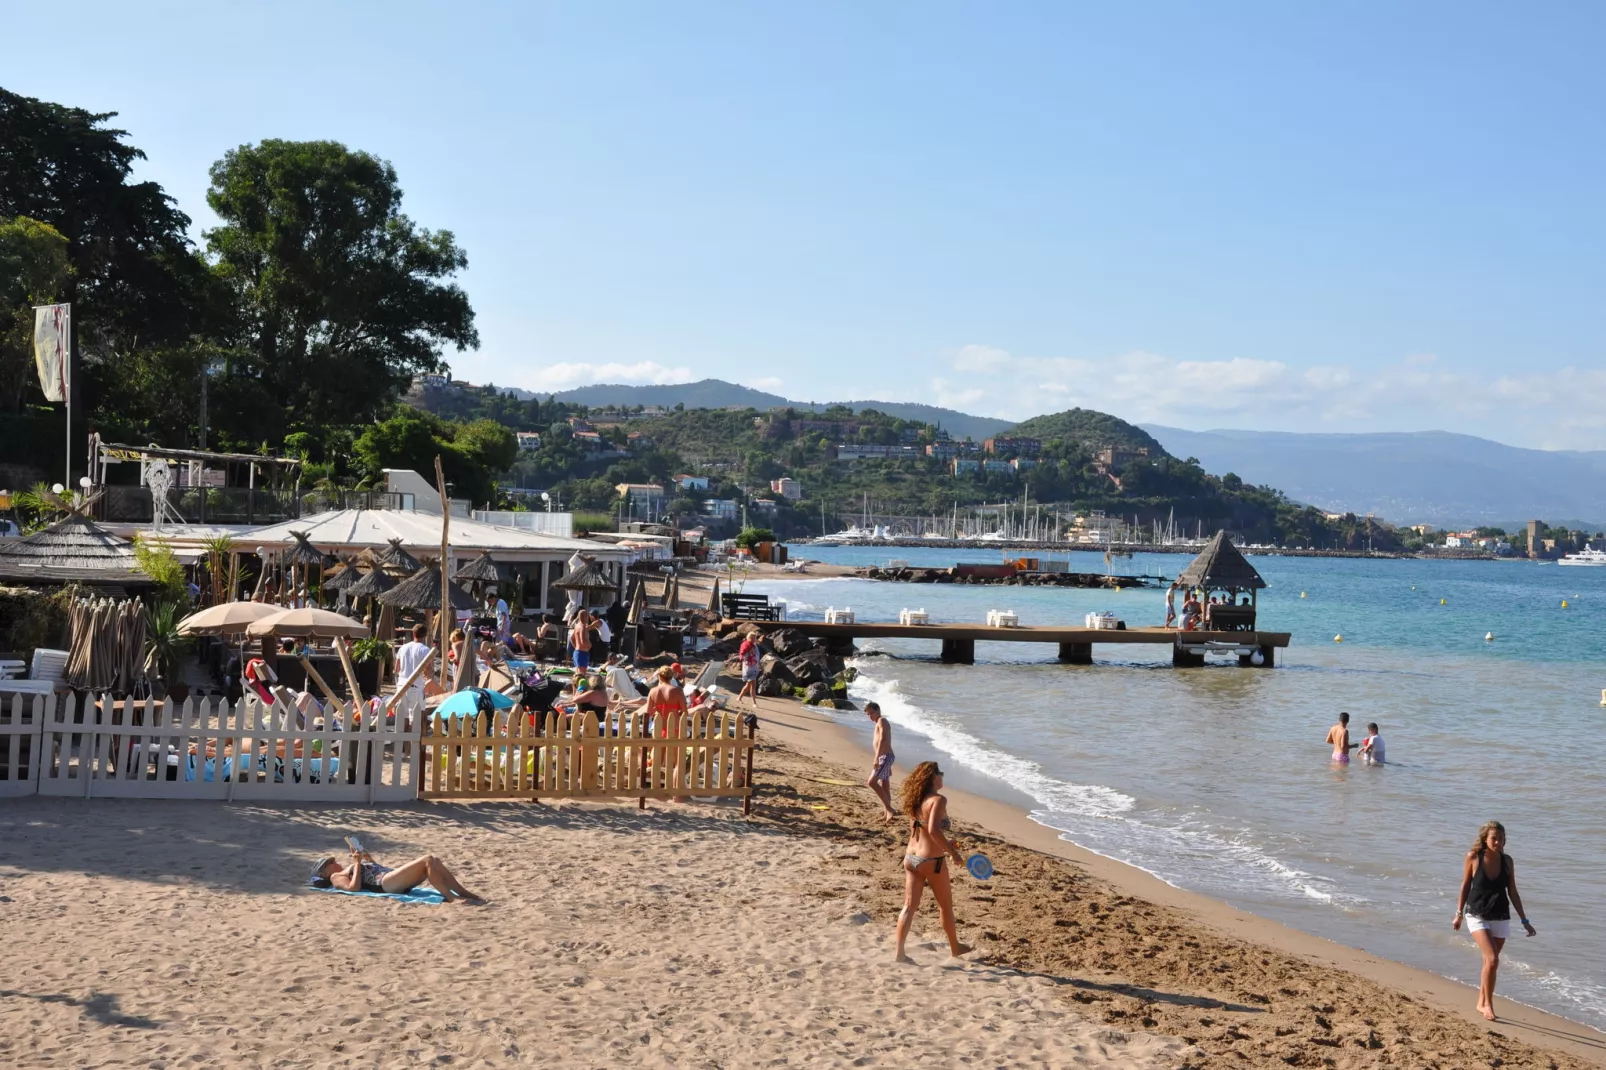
x=1372, y=746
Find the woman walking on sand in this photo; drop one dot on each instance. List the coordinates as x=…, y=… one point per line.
x=922, y=860
x=1488, y=892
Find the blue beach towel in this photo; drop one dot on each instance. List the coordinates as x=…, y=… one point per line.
x=421, y=894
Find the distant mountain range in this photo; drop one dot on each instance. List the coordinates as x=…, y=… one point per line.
x=718, y=394
x=1422, y=477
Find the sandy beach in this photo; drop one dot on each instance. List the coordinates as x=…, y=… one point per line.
x=181, y=934
x=164, y=934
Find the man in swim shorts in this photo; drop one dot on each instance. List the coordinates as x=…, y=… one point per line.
x=880, y=780
x=1338, y=736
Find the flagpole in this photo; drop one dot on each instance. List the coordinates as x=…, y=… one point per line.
x=66, y=394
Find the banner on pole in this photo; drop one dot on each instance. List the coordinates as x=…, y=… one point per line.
x=52, y=348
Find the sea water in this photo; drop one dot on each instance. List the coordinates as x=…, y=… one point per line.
x=1218, y=780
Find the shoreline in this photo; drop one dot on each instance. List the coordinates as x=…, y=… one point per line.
x=818, y=735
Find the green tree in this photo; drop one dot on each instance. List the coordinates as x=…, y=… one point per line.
x=343, y=298
x=488, y=444
x=33, y=271
x=136, y=283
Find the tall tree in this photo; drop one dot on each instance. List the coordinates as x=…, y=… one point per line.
x=136, y=283
x=33, y=271
x=343, y=298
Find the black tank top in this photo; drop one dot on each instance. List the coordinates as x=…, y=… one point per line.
x=1486, y=898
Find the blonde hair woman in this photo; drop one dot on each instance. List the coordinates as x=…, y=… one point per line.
x=1488, y=892
x=923, y=859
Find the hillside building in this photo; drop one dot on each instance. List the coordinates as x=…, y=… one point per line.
x=787, y=487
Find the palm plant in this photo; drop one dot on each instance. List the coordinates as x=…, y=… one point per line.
x=164, y=645
x=219, y=548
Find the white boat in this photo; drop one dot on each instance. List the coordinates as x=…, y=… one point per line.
x=1585, y=557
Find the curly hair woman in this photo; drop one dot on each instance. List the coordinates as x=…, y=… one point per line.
x=1488, y=892
x=923, y=858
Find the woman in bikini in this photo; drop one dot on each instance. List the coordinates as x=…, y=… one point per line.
x=1488, y=892
x=664, y=701
x=366, y=875
x=923, y=859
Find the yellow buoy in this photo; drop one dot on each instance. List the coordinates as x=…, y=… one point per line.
x=1302, y=594
x=1441, y=602
x=1564, y=603
x=1488, y=637
x=1338, y=638
x=1603, y=696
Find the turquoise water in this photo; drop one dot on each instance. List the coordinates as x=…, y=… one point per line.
x=1217, y=779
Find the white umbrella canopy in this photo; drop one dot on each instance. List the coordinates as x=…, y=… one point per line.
x=226, y=618
x=318, y=623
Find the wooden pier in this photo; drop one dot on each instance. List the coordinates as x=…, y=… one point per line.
x=1075, y=644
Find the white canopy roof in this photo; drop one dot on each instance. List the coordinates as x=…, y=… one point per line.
x=420, y=533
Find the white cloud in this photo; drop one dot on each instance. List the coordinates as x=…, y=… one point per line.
x=567, y=375
x=769, y=383
x=1560, y=408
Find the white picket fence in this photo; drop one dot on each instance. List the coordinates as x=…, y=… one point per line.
x=96, y=746
x=21, y=720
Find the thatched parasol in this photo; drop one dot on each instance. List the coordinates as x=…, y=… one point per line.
x=306, y=554
x=318, y=623
x=1221, y=567
x=713, y=597
x=585, y=578
x=72, y=550
x=396, y=559
x=347, y=575
x=375, y=582
x=484, y=570
x=422, y=590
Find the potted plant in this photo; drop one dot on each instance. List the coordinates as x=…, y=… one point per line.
x=372, y=659
x=165, y=648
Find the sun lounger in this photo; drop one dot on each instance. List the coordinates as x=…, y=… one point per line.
x=48, y=665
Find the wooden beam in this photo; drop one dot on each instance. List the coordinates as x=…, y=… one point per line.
x=448, y=618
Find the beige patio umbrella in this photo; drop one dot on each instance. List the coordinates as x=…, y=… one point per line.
x=315, y=623
x=226, y=618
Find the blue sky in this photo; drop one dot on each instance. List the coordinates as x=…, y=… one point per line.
x=1264, y=215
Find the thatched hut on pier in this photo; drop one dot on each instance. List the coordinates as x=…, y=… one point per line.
x=1222, y=570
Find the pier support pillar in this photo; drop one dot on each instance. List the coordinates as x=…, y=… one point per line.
x=959, y=651
x=1181, y=659
x=1076, y=653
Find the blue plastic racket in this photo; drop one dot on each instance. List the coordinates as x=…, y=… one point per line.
x=979, y=866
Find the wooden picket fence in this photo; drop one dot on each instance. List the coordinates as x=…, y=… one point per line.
x=90, y=745
x=514, y=755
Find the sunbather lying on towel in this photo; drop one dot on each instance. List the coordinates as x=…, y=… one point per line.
x=364, y=874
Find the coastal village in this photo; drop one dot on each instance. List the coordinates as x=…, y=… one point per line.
x=277, y=591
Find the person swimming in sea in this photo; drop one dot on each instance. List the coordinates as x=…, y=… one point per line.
x=1338, y=736
x=1372, y=750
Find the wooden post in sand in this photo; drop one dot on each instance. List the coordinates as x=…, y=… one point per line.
x=447, y=616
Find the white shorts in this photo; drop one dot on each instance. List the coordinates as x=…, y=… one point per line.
x=750, y=672
x=1499, y=928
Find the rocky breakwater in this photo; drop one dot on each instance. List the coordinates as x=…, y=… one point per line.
x=1000, y=578
x=792, y=664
